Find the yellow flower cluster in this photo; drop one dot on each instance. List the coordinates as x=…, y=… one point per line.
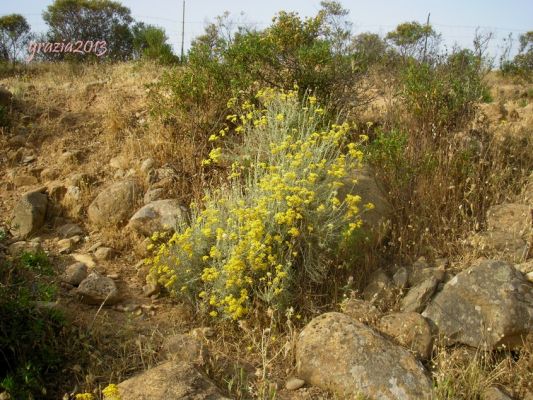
x=278, y=214
x=111, y=392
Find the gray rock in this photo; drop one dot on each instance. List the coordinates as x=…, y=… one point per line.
x=114, y=204
x=380, y=291
x=500, y=244
x=421, y=271
x=338, y=354
x=104, y=253
x=97, y=289
x=183, y=347
x=294, y=384
x=29, y=214
x=418, y=296
x=69, y=230
x=153, y=195
x=170, y=381
x=75, y=274
x=401, y=277
x=160, y=215
x=65, y=246
x=361, y=310
x=494, y=393
x=484, y=306
x=20, y=247
x=409, y=329
x=510, y=217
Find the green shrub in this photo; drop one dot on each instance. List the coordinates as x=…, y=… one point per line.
x=30, y=336
x=442, y=97
x=306, y=52
x=278, y=225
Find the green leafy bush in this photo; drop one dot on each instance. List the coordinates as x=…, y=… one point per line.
x=443, y=96
x=280, y=222
x=30, y=336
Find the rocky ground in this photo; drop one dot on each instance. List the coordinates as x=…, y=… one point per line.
x=81, y=178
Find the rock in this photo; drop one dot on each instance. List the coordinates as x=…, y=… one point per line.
x=501, y=244
x=75, y=274
x=25, y=180
x=153, y=195
x=17, y=141
x=529, y=276
x=65, y=246
x=485, y=306
x=409, y=329
x=18, y=248
x=511, y=218
x=29, y=214
x=493, y=393
x=418, y=296
x=69, y=230
x=5, y=97
x=341, y=355
x=49, y=174
x=400, y=277
x=294, y=383
x=97, y=289
x=361, y=310
x=183, y=347
x=114, y=204
x=380, y=291
x=104, y=253
x=421, y=271
x=377, y=219
x=151, y=289
x=147, y=165
x=72, y=202
x=85, y=258
x=29, y=159
x=160, y=215
x=170, y=381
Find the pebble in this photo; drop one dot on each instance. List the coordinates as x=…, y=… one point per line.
x=294, y=384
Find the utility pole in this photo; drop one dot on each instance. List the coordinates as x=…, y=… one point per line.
x=182, y=31
x=426, y=40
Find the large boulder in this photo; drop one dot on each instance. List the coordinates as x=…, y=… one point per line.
x=339, y=354
x=114, y=204
x=29, y=214
x=170, y=381
x=160, y=215
x=486, y=306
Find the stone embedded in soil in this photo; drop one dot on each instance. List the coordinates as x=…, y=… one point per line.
x=29, y=214
x=184, y=347
x=65, y=246
x=97, y=289
x=151, y=289
x=510, y=217
x=114, y=204
x=494, y=393
x=69, y=230
x=160, y=215
x=409, y=329
x=20, y=247
x=485, y=306
x=75, y=273
x=380, y=291
x=339, y=354
x=418, y=296
x=154, y=195
x=294, y=384
x=104, y=253
x=361, y=310
x=170, y=381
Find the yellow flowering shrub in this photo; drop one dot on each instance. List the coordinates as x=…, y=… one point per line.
x=277, y=223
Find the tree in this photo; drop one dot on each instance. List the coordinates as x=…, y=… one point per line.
x=412, y=39
x=92, y=20
x=150, y=42
x=14, y=36
x=369, y=48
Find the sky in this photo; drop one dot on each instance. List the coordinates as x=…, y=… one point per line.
x=456, y=20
